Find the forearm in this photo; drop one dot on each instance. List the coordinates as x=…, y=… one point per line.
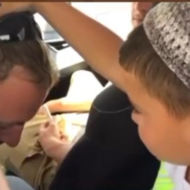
x=67, y=105
x=97, y=44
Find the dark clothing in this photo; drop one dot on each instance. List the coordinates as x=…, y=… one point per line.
x=110, y=155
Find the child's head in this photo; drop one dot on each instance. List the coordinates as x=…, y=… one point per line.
x=26, y=76
x=156, y=57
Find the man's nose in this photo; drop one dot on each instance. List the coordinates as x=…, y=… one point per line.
x=13, y=137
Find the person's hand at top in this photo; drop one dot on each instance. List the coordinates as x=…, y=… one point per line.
x=10, y=7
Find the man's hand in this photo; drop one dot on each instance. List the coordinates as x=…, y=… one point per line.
x=53, y=141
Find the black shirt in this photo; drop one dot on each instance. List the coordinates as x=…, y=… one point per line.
x=110, y=155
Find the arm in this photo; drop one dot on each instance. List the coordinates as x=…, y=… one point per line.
x=67, y=105
x=97, y=44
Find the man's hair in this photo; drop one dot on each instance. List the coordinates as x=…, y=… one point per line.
x=137, y=56
x=31, y=55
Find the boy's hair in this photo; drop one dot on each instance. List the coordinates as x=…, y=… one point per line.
x=33, y=56
x=139, y=57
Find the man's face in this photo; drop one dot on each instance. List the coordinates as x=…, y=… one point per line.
x=19, y=101
x=139, y=11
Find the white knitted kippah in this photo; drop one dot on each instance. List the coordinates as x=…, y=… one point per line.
x=167, y=26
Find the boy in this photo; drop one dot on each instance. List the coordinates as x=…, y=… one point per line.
x=158, y=70
x=108, y=66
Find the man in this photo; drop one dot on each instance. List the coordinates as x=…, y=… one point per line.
x=26, y=71
x=26, y=76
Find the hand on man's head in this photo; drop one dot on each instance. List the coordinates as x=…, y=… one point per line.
x=11, y=7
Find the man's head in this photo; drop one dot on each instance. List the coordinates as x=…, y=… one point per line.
x=156, y=58
x=26, y=76
x=139, y=11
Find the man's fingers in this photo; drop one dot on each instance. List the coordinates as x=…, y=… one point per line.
x=47, y=124
x=50, y=123
x=50, y=127
x=44, y=126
